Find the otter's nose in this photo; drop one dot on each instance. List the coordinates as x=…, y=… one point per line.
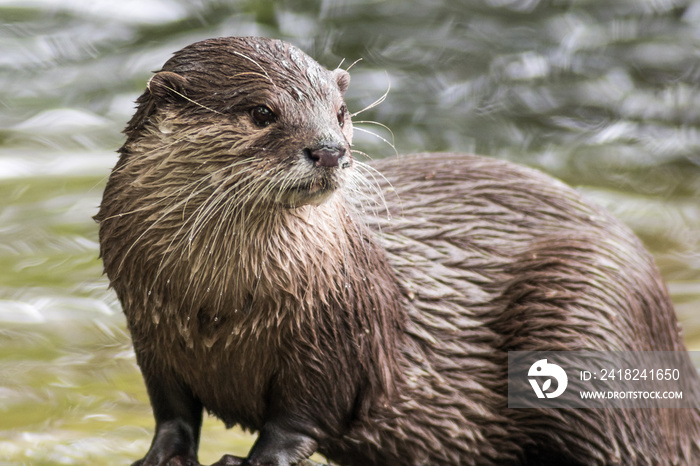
x=326, y=155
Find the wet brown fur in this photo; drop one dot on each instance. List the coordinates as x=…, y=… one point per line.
x=382, y=334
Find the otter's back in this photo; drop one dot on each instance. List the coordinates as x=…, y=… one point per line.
x=492, y=257
x=499, y=240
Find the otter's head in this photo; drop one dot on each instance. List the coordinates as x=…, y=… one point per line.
x=247, y=118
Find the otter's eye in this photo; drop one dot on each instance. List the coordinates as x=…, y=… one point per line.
x=341, y=115
x=263, y=116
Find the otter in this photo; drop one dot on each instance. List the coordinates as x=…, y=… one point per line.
x=361, y=310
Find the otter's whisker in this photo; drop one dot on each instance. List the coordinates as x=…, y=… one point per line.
x=376, y=123
x=351, y=64
x=242, y=55
x=214, y=205
x=209, y=207
x=164, y=215
x=249, y=73
x=191, y=100
x=375, y=187
x=181, y=239
x=204, y=211
x=364, y=154
x=376, y=102
x=391, y=144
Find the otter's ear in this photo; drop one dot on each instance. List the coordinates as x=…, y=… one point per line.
x=163, y=87
x=168, y=86
x=342, y=77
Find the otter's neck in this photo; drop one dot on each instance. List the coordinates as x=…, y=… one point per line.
x=315, y=273
x=304, y=254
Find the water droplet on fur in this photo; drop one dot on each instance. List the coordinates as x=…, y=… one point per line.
x=216, y=318
x=208, y=290
x=168, y=282
x=149, y=292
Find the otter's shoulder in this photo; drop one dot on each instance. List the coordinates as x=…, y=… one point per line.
x=453, y=185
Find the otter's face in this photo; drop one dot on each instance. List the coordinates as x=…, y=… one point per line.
x=252, y=119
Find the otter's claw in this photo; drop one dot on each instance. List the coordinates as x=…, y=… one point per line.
x=229, y=460
x=174, y=461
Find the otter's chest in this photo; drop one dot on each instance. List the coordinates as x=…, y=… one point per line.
x=223, y=363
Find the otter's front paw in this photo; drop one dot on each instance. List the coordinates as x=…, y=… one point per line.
x=180, y=460
x=175, y=444
x=229, y=460
x=301, y=463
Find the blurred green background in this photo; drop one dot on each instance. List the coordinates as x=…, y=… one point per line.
x=600, y=93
